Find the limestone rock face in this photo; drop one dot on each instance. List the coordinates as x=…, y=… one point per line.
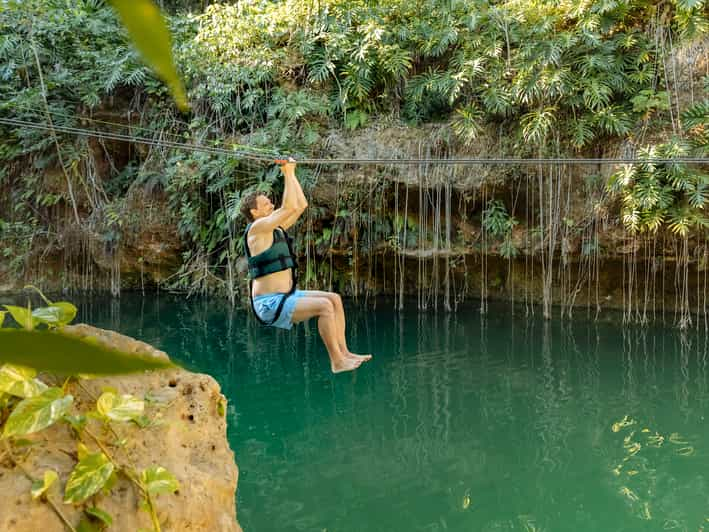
x=189, y=440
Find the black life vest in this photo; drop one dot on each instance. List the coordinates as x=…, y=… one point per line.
x=276, y=258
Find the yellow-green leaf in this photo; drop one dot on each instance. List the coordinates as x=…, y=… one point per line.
x=57, y=352
x=39, y=487
x=19, y=381
x=23, y=316
x=89, y=476
x=82, y=451
x=2, y=317
x=36, y=413
x=159, y=480
x=67, y=312
x=47, y=315
x=148, y=31
x=119, y=408
x=55, y=315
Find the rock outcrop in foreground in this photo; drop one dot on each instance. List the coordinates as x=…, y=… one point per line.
x=189, y=440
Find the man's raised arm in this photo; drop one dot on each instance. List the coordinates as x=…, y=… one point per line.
x=292, y=206
x=293, y=193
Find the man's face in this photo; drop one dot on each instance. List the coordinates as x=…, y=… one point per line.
x=264, y=207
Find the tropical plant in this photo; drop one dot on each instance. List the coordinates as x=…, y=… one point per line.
x=29, y=404
x=672, y=195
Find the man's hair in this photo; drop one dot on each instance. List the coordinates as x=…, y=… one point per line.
x=248, y=202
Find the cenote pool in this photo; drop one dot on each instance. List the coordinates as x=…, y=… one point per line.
x=459, y=423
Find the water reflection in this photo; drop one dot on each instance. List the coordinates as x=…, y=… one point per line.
x=460, y=423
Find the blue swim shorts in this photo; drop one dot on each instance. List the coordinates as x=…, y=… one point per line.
x=266, y=305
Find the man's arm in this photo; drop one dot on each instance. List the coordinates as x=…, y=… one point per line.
x=292, y=206
x=296, y=194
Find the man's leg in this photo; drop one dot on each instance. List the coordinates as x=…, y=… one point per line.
x=336, y=301
x=308, y=307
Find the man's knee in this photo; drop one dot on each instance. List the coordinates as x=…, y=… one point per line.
x=336, y=299
x=327, y=308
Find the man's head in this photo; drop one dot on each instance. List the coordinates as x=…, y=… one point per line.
x=255, y=205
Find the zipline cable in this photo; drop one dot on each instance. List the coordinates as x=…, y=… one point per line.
x=267, y=152
x=138, y=140
x=262, y=158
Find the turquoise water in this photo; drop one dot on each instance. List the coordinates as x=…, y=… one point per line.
x=459, y=423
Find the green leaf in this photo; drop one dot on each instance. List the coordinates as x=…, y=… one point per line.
x=159, y=480
x=55, y=315
x=143, y=421
x=82, y=451
x=99, y=514
x=2, y=317
x=77, y=422
x=47, y=315
x=110, y=483
x=86, y=525
x=123, y=408
x=58, y=352
x=39, y=487
x=67, y=312
x=36, y=413
x=19, y=381
x=148, y=31
x=23, y=316
x=88, y=477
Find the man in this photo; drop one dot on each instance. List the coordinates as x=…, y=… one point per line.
x=274, y=297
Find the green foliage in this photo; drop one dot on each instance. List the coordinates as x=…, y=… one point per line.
x=40, y=487
x=20, y=381
x=149, y=33
x=54, y=350
x=88, y=477
x=119, y=408
x=496, y=220
x=499, y=224
x=278, y=76
x=157, y=480
x=100, y=515
x=28, y=406
x=63, y=354
x=671, y=195
x=36, y=413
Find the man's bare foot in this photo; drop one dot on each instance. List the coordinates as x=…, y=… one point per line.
x=363, y=358
x=346, y=364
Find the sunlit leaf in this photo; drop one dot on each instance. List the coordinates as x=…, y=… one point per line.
x=2, y=317
x=48, y=315
x=36, y=413
x=159, y=480
x=119, y=408
x=19, y=381
x=68, y=311
x=39, y=487
x=58, y=352
x=57, y=314
x=23, y=317
x=88, y=477
x=148, y=31
x=82, y=451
